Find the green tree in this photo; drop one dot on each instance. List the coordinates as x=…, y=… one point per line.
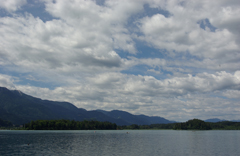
x=194, y=124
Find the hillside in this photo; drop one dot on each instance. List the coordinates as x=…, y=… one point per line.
x=194, y=124
x=135, y=119
x=20, y=108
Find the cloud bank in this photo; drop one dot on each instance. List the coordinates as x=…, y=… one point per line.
x=178, y=60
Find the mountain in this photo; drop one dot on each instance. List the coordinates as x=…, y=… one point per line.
x=135, y=119
x=194, y=124
x=214, y=120
x=235, y=120
x=20, y=108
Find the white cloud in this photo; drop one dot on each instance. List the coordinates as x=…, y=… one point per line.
x=12, y=5
x=175, y=99
x=115, y=85
x=171, y=98
x=53, y=45
x=104, y=24
x=7, y=81
x=176, y=34
x=78, y=52
x=82, y=39
x=181, y=32
x=235, y=94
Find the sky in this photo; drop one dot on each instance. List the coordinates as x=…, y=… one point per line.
x=178, y=59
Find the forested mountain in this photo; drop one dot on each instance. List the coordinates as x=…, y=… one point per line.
x=5, y=123
x=214, y=120
x=194, y=124
x=135, y=119
x=20, y=108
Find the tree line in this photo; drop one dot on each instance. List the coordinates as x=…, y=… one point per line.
x=194, y=124
x=69, y=125
x=225, y=125
x=4, y=123
x=152, y=126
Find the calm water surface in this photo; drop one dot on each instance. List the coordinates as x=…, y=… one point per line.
x=114, y=143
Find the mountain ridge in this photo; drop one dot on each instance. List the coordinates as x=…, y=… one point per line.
x=20, y=108
x=214, y=120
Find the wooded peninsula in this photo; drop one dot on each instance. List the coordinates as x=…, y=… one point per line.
x=194, y=124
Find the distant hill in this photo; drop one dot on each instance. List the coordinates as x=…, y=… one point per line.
x=214, y=120
x=194, y=124
x=20, y=108
x=135, y=119
x=5, y=123
x=235, y=120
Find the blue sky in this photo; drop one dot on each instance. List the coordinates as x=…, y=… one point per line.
x=175, y=59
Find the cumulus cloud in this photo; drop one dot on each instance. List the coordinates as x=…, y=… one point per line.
x=136, y=93
x=7, y=81
x=100, y=23
x=176, y=61
x=232, y=94
x=12, y=5
x=81, y=37
x=52, y=45
x=181, y=32
x=171, y=33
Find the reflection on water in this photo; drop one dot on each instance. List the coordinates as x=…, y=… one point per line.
x=113, y=143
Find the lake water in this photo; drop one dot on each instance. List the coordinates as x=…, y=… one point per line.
x=119, y=142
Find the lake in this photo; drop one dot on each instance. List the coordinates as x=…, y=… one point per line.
x=120, y=142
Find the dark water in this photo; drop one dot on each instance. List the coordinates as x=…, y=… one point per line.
x=114, y=143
